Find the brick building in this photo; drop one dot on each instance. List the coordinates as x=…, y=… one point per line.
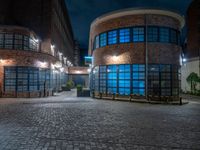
x=136, y=52
x=192, y=49
x=36, y=47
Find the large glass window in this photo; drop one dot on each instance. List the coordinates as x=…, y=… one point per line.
x=152, y=34
x=102, y=77
x=164, y=35
x=26, y=43
x=33, y=44
x=112, y=78
x=10, y=79
x=124, y=35
x=153, y=80
x=96, y=78
x=112, y=37
x=33, y=79
x=18, y=42
x=165, y=75
x=24, y=79
x=124, y=79
x=138, y=79
x=103, y=39
x=138, y=34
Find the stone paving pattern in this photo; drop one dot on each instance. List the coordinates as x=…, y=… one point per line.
x=65, y=122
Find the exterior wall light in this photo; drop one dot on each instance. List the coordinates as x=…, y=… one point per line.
x=89, y=70
x=115, y=58
x=78, y=72
x=58, y=65
x=42, y=64
x=62, y=69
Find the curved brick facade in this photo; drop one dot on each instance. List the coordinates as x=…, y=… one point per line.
x=166, y=53
x=136, y=52
x=14, y=53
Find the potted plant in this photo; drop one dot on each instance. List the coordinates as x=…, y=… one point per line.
x=79, y=88
x=69, y=85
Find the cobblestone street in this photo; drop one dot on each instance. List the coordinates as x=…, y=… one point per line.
x=67, y=122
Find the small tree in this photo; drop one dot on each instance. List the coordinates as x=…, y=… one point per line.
x=193, y=79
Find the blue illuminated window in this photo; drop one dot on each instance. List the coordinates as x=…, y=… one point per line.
x=138, y=79
x=138, y=34
x=103, y=39
x=124, y=35
x=112, y=37
x=164, y=35
x=97, y=42
x=112, y=78
x=124, y=79
x=102, y=77
x=152, y=34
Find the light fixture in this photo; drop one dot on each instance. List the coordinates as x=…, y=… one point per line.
x=115, y=58
x=89, y=70
x=184, y=59
x=62, y=69
x=43, y=64
x=52, y=46
x=78, y=72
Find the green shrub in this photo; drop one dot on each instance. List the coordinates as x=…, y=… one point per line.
x=70, y=84
x=79, y=87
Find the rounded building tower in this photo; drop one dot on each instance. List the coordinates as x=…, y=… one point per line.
x=136, y=52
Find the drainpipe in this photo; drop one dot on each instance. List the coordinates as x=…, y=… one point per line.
x=146, y=58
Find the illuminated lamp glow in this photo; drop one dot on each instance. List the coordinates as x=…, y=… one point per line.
x=115, y=58
x=184, y=59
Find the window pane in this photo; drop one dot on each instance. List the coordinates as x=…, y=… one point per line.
x=112, y=37
x=173, y=36
x=124, y=35
x=138, y=34
x=103, y=39
x=97, y=42
x=152, y=34
x=164, y=35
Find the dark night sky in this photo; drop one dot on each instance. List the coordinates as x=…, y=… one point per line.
x=83, y=12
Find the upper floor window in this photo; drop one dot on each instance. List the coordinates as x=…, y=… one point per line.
x=112, y=37
x=103, y=39
x=9, y=41
x=138, y=34
x=97, y=42
x=164, y=35
x=124, y=35
x=173, y=36
x=1, y=40
x=152, y=34
x=18, y=41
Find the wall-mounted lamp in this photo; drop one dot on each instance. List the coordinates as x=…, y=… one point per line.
x=115, y=58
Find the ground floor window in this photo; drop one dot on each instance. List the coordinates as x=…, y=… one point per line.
x=126, y=79
x=23, y=79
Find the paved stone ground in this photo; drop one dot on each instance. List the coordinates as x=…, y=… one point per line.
x=67, y=122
